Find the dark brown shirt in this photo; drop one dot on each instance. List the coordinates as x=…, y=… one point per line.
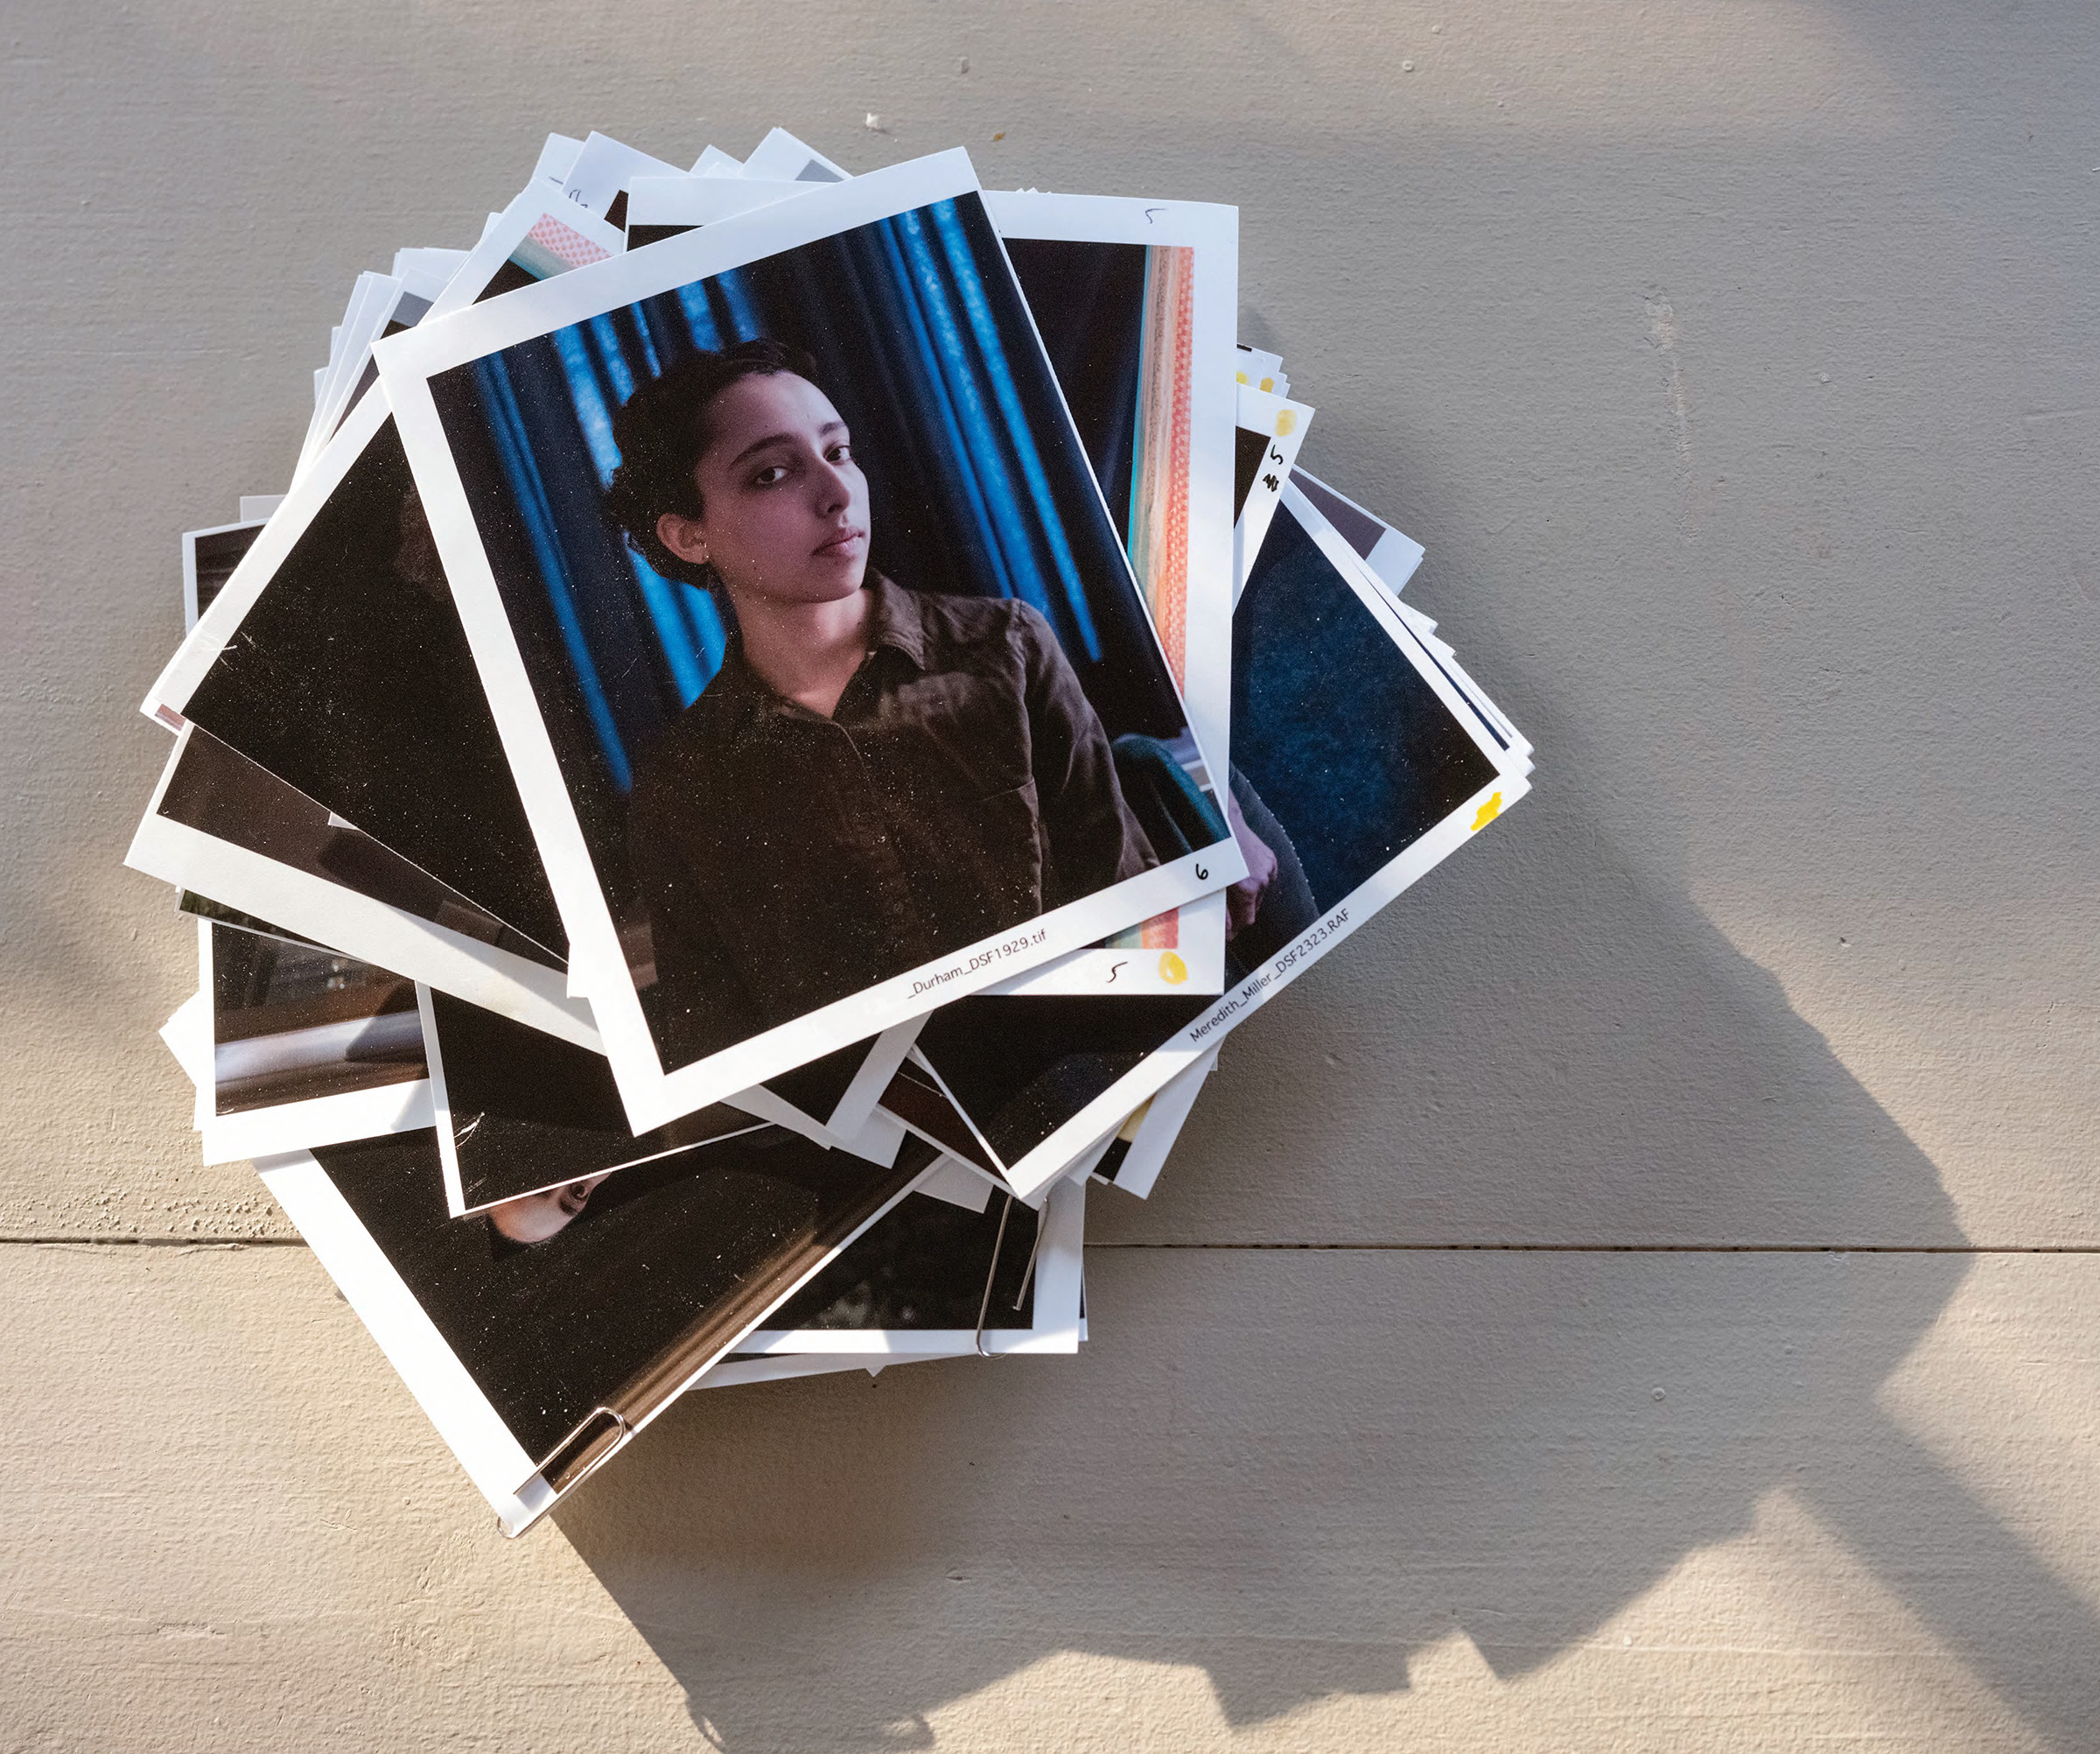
x=962, y=785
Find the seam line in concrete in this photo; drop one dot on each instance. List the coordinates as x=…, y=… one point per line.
x=1618, y=1248
x=86, y=1241
x=201, y=1241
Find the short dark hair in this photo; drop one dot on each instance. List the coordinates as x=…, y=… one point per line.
x=661, y=431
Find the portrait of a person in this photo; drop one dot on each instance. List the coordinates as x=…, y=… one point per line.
x=877, y=776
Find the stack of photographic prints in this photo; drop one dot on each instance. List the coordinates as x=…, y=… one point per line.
x=779, y=721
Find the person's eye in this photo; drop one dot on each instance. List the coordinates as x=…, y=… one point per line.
x=840, y=452
x=771, y=476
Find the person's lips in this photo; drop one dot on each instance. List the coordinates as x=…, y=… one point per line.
x=844, y=543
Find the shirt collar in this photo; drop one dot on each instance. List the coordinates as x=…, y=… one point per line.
x=894, y=620
x=894, y=623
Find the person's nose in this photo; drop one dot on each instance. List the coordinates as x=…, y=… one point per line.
x=834, y=491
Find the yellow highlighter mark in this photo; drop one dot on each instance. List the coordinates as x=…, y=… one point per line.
x=1488, y=813
x=1268, y=384
x=1173, y=969
x=1239, y=377
x=1286, y=423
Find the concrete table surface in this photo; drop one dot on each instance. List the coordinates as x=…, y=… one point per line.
x=1640, y=1294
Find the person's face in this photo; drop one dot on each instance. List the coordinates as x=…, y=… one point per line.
x=537, y=1216
x=784, y=507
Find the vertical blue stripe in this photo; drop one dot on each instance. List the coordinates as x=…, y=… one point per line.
x=711, y=638
x=935, y=386
x=699, y=319
x=675, y=633
x=663, y=328
x=743, y=314
x=949, y=360
x=639, y=317
x=964, y=266
x=591, y=414
x=513, y=446
x=605, y=343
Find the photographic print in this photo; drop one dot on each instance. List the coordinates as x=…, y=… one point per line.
x=1389, y=552
x=308, y=1047
x=826, y=681
x=208, y=559
x=1135, y=303
x=521, y=1114
x=1358, y=763
x=1269, y=430
x=228, y=829
x=334, y=659
x=932, y=1278
x=538, y=1357
x=1138, y=1152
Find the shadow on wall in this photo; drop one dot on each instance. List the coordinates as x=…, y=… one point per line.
x=1296, y=1470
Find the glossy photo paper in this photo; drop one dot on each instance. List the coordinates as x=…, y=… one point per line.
x=995, y=785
